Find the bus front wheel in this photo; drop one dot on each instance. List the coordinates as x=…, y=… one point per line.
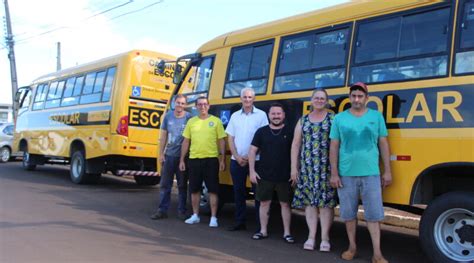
x=447, y=228
x=78, y=170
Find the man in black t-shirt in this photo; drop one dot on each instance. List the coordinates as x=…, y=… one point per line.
x=273, y=142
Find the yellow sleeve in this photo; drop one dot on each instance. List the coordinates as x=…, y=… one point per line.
x=187, y=130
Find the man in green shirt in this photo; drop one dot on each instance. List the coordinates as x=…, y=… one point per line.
x=204, y=138
x=358, y=136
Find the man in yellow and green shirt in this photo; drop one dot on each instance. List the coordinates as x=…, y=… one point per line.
x=204, y=138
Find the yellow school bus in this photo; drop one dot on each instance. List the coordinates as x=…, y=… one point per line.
x=97, y=117
x=418, y=60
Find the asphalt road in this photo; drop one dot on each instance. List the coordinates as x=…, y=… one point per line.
x=44, y=217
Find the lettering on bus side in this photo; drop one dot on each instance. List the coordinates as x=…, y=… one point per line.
x=140, y=117
x=169, y=68
x=417, y=108
x=73, y=118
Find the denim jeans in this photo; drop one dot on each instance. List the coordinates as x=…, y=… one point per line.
x=239, y=178
x=169, y=169
x=366, y=188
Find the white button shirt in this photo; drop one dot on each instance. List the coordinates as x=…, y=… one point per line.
x=242, y=126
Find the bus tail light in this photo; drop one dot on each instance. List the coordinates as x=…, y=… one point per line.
x=122, y=127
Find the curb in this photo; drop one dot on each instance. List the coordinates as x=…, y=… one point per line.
x=391, y=218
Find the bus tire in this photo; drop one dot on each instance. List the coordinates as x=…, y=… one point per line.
x=5, y=154
x=78, y=168
x=447, y=228
x=147, y=180
x=27, y=161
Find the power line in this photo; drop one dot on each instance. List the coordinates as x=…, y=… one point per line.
x=138, y=10
x=66, y=27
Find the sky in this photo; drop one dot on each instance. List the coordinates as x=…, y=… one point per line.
x=93, y=29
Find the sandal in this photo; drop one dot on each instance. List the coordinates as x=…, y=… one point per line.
x=289, y=239
x=325, y=246
x=309, y=244
x=259, y=236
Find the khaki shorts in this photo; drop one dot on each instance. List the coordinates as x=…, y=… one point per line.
x=265, y=190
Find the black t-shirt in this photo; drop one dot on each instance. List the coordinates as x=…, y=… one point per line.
x=275, y=150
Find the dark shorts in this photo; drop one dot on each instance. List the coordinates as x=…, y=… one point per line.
x=265, y=191
x=203, y=170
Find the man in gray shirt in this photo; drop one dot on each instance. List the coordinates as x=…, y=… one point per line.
x=170, y=150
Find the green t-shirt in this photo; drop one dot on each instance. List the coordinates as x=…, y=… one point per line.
x=358, y=142
x=204, y=135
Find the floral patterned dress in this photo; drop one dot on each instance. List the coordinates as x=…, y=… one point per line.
x=313, y=188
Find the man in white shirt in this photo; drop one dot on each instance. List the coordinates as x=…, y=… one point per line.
x=241, y=129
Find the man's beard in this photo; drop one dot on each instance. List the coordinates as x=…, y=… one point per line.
x=275, y=124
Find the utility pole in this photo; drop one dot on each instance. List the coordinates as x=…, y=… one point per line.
x=58, y=57
x=11, y=56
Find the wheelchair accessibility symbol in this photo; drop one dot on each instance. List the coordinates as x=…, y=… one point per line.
x=136, y=91
x=225, y=116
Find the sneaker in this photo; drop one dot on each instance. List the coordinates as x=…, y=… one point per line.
x=159, y=215
x=182, y=216
x=213, y=222
x=194, y=219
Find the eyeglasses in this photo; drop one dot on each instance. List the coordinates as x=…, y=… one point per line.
x=319, y=98
x=202, y=104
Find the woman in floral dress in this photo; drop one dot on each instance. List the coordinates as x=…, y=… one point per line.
x=310, y=168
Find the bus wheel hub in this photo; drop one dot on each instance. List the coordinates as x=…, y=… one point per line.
x=465, y=231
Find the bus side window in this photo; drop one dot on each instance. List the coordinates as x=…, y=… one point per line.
x=465, y=47
x=92, y=90
x=315, y=59
x=72, y=91
x=410, y=46
x=248, y=66
x=109, y=81
x=40, y=97
x=54, y=96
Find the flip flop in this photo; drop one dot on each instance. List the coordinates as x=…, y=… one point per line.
x=289, y=239
x=259, y=236
x=325, y=246
x=309, y=244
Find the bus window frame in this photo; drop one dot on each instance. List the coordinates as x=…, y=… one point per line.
x=462, y=4
x=347, y=25
x=410, y=12
x=253, y=45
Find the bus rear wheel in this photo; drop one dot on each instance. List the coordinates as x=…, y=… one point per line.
x=447, y=228
x=78, y=170
x=147, y=180
x=26, y=162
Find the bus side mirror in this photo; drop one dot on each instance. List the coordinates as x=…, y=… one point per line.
x=18, y=96
x=177, y=73
x=161, y=66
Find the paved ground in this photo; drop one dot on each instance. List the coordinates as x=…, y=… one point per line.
x=46, y=218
